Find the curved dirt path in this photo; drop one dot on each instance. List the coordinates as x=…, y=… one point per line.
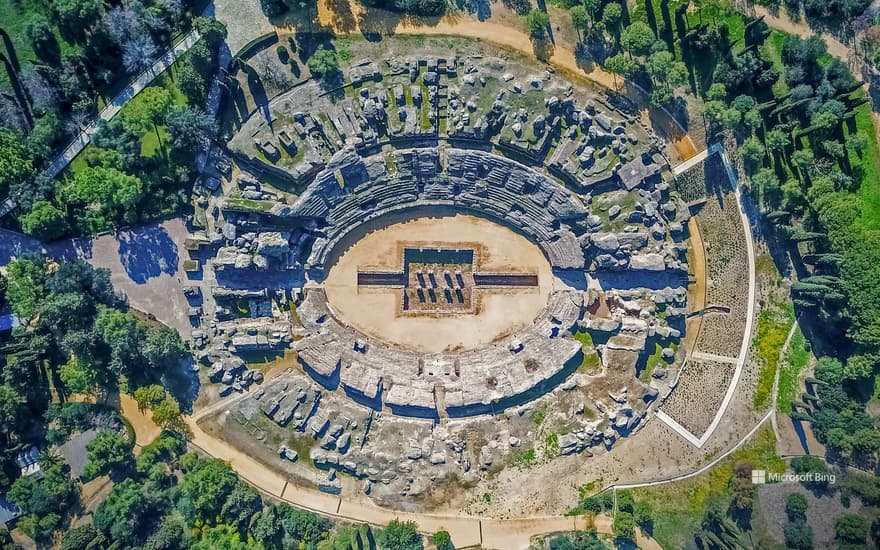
x=466, y=531
x=783, y=22
x=379, y=22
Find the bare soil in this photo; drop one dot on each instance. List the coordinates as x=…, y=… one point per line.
x=376, y=313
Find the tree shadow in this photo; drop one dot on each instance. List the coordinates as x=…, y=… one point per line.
x=376, y=23
x=481, y=9
x=10, y=50
x=344, y=19
x=147, y=252
x=258, y=91
x=543, y=49
x=71, y=249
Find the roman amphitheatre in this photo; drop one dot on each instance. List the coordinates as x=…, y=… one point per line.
x=461, y=271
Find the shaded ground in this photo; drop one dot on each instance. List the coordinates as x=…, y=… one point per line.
x=146, y=264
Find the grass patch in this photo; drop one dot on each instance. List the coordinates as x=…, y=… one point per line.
x=14, y=18
x=591, y=363
x=551, y=446
x=248, y=205
x=679, y=507
x=655, y=360
x=539, y=414
x=773, y=327
x=796, y=359
x=525, y=459
x=869, y=162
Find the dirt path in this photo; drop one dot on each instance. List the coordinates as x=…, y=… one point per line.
x=145, y=430
x=355, y=20
x=783, y=22
x=697, y=295
x=466, y=531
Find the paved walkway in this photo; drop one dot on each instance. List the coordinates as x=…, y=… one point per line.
x=112, y=109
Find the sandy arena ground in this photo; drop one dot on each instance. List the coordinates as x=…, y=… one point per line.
x=499, y=313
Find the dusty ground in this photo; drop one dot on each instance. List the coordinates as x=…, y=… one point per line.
x=375, y=312
x=144, y=429
x=696, y=291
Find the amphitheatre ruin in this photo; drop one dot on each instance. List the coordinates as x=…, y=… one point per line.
x=479, y=266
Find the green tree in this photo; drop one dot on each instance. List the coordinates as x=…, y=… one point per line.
x=796, y=507
x=803, y=158
x=44, y=221
x=205, y=487
x=637, y=38
x=752, y=119
x=190, y=129
x=148, y=110
x=857, y=142
x=400, y=535
x=163, y=348
x=851, y=530
x=123, y=335
x=580, y=19
x=537, y=21
x=79, y=538
x=15, y=161
x=26, y=279
x=776, y=140
x=302, y=525
x=798, y=536
x=324, y=63
x=222, y=536
x=752, y=150
x=107, y=189
x=624, y=526
x=834, y=149
x=10, y=402
x=79, y=376
x=622, y=65
x=716, y=92
x=109, y=452
x=611, y=14
x=730, y=118
x=242, y=503
x=840, y=440
x=121, y=514
x=643, y=514
x=78, y=16
x=167, y=413
x=442, y=540
x=148, y=397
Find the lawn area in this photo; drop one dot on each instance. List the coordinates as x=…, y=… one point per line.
x=773, y=327
x=679, y=507
x=796, y=359
x=149, y=141
x=869, y=191
x=14, y=18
